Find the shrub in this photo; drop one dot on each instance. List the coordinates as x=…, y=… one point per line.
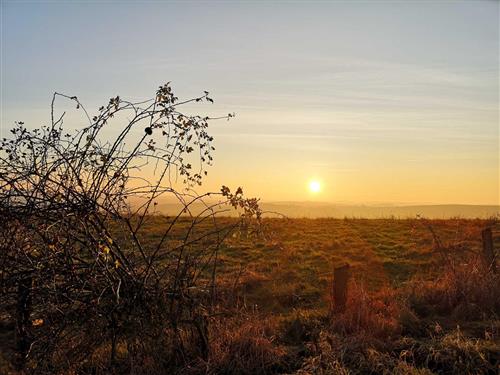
x=75, y=274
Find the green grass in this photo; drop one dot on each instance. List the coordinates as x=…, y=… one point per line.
x=289, y=264
x=298, y=256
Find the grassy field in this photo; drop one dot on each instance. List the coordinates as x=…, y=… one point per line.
x=289, y=263
x=413, y=307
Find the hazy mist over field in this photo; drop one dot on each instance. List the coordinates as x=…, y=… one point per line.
x=314, y=210
x=368, y=211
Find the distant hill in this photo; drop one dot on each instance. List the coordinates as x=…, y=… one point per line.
x=374, y=211
x=315, y=210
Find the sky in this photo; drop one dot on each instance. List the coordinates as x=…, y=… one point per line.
x=393, y=101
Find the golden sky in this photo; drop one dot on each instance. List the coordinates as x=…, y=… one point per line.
x=376, y=101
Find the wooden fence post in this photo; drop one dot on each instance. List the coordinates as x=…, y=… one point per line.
x=488, y=250
x=340, y=283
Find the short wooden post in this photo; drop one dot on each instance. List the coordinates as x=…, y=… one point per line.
x=488, y=250
x=340, y=283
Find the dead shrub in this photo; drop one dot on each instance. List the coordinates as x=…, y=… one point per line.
x=76, y=207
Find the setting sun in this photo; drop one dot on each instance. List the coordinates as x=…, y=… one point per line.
x=314, y=186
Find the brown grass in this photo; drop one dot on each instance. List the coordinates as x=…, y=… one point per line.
x=375, y=314
x=465, y=291
x=244, y=344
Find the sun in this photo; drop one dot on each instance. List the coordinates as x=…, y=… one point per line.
x=314, y=186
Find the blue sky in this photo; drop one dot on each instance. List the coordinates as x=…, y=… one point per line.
x=391, y=101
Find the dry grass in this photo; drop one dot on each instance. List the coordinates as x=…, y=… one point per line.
x=245, y=345
x=376, y=314
x=465, y=291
